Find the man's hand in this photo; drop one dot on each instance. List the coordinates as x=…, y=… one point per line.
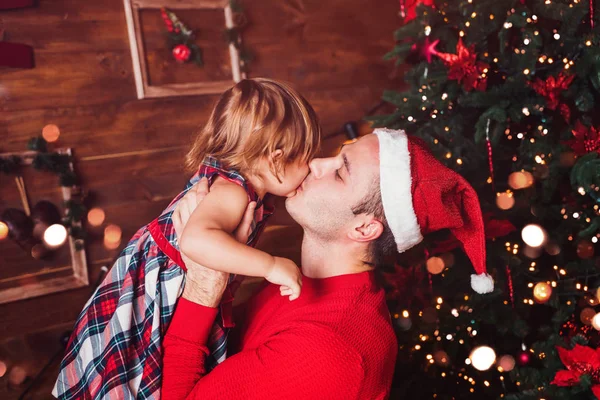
x=203, y=285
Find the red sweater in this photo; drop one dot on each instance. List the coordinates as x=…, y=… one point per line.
x=334, y=342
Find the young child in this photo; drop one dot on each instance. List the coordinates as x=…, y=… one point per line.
x=258, y=140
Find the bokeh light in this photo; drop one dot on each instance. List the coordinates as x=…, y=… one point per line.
x=50, y=133
x=96, y=216
x=55, y=236
x=533, y=235
x=3, y=230
x=542, y=292
x=435, y=265
x=112, y=237
x=483, y=357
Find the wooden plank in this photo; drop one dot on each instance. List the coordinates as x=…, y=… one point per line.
x=160, y=123
x=74, y=26
x=36, y=314
x=86, y=79
x=71, y=79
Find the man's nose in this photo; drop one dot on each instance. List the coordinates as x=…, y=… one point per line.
x=319, y=167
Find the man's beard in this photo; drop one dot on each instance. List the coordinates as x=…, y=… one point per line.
x=319, y=219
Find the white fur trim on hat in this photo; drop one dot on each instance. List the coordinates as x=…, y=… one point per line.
x=395, y=183
x=482, y=283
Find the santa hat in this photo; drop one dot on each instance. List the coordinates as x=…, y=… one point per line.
x=421, y=195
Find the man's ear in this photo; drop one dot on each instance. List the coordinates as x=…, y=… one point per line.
x=366, y=229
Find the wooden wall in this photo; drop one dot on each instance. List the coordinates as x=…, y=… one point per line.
x=129, y=152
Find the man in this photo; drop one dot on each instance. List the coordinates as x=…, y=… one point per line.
x=377, y=196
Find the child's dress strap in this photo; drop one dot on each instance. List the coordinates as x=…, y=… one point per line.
x=164, y=244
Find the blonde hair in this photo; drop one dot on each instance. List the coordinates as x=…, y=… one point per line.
x=253, y=119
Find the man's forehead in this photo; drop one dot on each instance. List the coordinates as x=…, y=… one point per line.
x=367, y=145
x=363, y=155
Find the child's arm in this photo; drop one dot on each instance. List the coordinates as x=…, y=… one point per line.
x=207, y=237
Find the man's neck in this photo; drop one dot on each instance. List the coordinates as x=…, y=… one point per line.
x=324, y=259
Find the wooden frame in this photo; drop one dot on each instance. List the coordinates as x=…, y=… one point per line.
x=138, y=54
x=40, y=286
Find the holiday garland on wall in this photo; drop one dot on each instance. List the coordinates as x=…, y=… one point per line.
x=58, y=163
x=181, y=39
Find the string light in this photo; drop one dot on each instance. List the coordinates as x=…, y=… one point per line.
x=506, y=363
x=3, y=230
x=542, y=292
x=533, y=235
x=112, y=237
x=55, y=236
x=50, y=133
x=435, y=265
x=482, y=357
x=96, y=216
x=505, y=200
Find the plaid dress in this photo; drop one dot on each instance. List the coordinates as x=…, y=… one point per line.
x=115, y=350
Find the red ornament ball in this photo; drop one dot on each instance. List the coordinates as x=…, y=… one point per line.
x=523, y=358
x=182, y=53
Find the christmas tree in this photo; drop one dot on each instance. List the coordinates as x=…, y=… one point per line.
x=506, y=93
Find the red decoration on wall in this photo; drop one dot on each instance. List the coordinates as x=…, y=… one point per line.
x=16, y=55
x=181, y=53
x=10, y=4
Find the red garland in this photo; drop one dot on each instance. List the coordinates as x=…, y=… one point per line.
x=582, y=360
x=585, y=139
x=551, y=89
x=464, y=67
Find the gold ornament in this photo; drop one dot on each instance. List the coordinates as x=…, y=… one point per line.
x=585, y=249
x=507, y=363
x=586, y=315
x=505, y=200
x=542, y=292
x=435, y=265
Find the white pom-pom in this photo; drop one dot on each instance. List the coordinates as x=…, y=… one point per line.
x=482, y=283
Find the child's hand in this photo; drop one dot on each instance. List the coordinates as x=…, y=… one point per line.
x=284, y=272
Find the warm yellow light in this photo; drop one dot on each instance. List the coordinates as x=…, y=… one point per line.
x=112, y=237
x=3, y=230
x=55, y=236
x=542, y=292
x=435, y=265
x=482, y=358
x=50, y=133
x=96, y=216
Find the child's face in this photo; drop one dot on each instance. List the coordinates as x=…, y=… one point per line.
x=291, y=178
